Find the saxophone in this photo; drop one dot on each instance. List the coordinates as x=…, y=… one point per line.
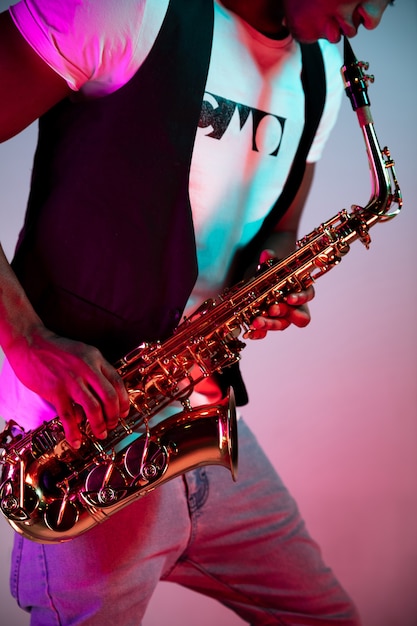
x=50, y=492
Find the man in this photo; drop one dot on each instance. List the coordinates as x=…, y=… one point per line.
x=120, y=90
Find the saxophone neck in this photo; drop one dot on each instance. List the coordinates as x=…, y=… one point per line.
x=386, y=192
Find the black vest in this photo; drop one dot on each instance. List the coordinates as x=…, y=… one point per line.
x=107, y=252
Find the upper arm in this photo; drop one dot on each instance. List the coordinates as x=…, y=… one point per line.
x=29, y=87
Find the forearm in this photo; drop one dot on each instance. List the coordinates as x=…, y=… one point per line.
x=19, y=323
x=280, y=243
x=70, y=375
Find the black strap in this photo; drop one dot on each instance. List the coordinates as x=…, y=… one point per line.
x=314, y=85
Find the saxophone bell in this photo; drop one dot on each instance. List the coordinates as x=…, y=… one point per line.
x=48, y=500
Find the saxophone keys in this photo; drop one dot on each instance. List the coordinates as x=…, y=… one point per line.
x=11, y=505
x=145, y=460
x=61, y=515
x=105, y=485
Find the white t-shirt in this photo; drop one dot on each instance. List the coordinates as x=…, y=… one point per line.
x=253, y=116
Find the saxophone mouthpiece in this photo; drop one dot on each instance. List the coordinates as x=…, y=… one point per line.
x=348, y=54
x=356, y=82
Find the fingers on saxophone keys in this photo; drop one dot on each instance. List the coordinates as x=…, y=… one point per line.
x=71, y=416
x=300, y=297
x=120, y=397
x=261, y=325
x=78, y=418
x=254, y=334
x=98, y=417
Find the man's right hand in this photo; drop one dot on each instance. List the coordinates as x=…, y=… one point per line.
x=74, y=377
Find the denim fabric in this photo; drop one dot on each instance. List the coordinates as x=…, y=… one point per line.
x=242, y=543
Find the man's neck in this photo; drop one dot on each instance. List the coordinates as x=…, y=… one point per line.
x=266, y=16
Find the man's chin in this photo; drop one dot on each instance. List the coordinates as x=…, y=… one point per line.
x=301, y=35
x=331, y=32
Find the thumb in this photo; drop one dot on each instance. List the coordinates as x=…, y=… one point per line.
x=266, y=255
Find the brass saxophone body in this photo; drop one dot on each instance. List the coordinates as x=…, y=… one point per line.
x=51, y=493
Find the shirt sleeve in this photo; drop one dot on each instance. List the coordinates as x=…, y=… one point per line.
x=334, y=89
x=95, y=45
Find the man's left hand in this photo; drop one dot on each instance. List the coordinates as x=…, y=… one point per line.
x=293, y=309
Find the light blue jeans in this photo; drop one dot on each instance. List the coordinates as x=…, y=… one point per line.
x=242, y=543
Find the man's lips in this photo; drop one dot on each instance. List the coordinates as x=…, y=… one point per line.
x=332, y=31
x=335, y=28
x=349, y=30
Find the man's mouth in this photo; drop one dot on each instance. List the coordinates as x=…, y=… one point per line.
x=349, y=30
x=332, y=31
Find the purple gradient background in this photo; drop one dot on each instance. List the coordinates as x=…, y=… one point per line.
x=334, y=404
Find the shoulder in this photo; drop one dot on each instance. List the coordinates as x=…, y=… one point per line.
x=96, y=45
